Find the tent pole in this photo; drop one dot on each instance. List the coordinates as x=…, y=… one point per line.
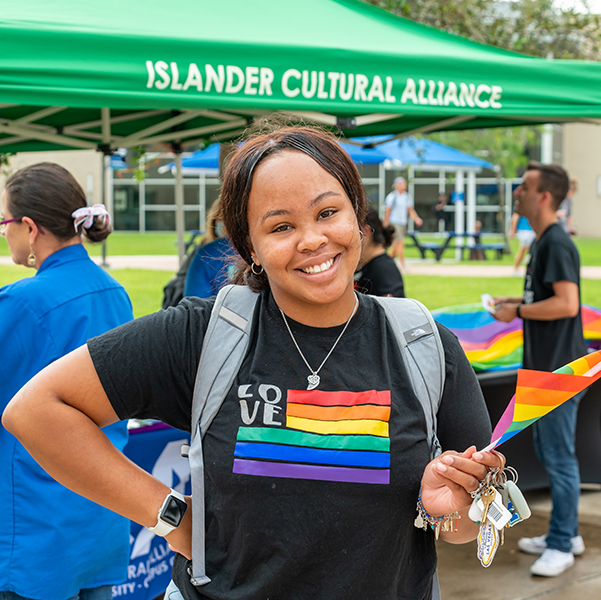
x=442, y=189
x=471, y=204
x=179, y=203
x=202, y=202
x=381, y=188
x=107, y=174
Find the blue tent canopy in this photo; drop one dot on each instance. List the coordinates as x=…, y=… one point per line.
x=413, y=151
x=201, y=162
x=363, y=150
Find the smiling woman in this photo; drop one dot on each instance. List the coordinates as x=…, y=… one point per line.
x=311, y=490
x=302, y=219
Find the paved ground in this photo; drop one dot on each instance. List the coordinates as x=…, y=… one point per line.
x=415, y=266
x=508, y=578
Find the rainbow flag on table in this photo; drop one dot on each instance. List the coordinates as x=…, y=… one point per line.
x=539, y=392
x=491, y=345
x=329, y=436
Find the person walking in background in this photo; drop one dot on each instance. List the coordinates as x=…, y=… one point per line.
x=377, y=274
x=521, y=229
x=550, y=309
x=399, y=207
x=564, y=212
x=443, y=218
x=54, y=544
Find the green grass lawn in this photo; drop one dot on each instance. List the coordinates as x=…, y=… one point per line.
x=127, y=243
x=145, y=287
x=438, y=292
x=589, y=248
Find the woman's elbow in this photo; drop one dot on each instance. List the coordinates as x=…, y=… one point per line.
x=13, y=417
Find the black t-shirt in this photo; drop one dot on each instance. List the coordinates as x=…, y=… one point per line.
x=380, y=277
x=549, y=345
x=280, y=524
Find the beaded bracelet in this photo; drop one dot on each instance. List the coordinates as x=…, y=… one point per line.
x=438, y=524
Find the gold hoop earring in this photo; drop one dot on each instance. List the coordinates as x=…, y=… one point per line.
x=252, y=268
x=31, y=259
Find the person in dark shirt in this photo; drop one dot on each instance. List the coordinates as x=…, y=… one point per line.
x=378, y=274
x=314, y=498
x=553, y=337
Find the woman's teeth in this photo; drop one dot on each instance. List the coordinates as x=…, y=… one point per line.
x=319, y=268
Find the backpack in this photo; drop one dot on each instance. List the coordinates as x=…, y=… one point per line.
x=225, y=346
x=173, y=292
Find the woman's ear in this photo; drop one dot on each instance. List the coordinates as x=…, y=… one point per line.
x=32, y=229
x=252, y=252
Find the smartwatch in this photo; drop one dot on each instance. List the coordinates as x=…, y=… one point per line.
x=171, y=514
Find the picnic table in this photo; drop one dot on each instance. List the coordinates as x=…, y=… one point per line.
x=438, y=248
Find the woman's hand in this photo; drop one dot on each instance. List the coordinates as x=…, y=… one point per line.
x=449, y=479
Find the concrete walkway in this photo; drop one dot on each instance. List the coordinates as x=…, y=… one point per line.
x=462, y=577
x=415, y=266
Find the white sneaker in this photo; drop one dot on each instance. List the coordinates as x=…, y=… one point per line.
x=537, y=545
x=552, y=563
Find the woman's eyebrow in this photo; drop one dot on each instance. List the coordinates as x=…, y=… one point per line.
x=275, y=213
x=282, y=211
x=321, y=196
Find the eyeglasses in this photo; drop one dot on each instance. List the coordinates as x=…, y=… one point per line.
x=4, y=223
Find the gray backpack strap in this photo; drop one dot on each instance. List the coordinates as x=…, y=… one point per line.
x=435, y=587
x=423, y=353
x=224, y=347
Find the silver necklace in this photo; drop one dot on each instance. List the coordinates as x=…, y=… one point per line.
x=314, y=378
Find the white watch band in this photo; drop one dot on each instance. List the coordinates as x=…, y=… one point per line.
x=162, y=528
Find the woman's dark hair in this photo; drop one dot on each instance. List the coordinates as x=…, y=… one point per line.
x=48, y=194
x=380, y=234
x=320, y=145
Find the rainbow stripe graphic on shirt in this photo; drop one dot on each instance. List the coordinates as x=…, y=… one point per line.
x=329, y=436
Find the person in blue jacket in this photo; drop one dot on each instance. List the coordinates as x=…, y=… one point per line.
x=210, y=268
x=213, y=261
x=54, y=544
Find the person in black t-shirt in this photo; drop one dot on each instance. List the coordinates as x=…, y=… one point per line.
x=553, y=337
x=378, y=274
x=311, y=491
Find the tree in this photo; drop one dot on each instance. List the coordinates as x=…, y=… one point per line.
x=503, y=146
x=533, y=27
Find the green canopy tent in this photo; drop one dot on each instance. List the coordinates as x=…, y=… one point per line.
x=104, y=74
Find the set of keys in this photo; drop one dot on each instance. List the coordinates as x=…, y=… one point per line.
x=498, y=504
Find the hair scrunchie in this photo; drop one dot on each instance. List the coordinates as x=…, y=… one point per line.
x=86, y=215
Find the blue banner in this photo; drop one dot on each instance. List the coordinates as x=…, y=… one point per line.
x=157, y=450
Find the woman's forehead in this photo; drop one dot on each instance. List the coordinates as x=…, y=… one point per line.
x=291, y=168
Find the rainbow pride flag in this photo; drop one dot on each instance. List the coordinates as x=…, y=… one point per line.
x=539, y=392
x=329, y=436
x=495, y=346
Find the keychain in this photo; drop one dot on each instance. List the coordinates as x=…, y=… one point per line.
x=498, y=503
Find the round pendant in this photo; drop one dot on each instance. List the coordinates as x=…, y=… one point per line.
x=313, y=381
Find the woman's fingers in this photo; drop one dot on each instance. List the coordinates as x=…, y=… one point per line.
x=460, y=474
x=467, y=469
